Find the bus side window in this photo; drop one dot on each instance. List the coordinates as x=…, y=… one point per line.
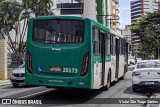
x=108, y=44
x=111, y=44
x=114, y=45
x=119, y=46
x=122, y=46
x=96, y=41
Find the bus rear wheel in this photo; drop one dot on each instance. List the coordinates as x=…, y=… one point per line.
x=15, y=85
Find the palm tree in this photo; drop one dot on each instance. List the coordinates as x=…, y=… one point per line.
x=9, y=14
x=37, y=7
x=12, y=14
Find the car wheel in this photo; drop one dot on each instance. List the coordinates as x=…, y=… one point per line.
x=134, y=89
x=15, y=85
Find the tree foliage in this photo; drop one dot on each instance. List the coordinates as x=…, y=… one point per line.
x=14, y=14
x=148, y=30
x=38, y=7
x=9, y=16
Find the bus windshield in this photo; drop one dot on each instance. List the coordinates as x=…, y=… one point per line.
x=58, y=31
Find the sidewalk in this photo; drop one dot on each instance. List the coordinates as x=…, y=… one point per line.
x=4, y=82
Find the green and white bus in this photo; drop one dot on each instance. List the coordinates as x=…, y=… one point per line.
x=73, y=52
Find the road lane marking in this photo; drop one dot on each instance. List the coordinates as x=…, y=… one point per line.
x=35, y=93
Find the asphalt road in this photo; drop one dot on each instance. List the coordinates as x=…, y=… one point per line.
x=79, y=98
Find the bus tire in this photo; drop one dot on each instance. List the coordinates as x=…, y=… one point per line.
x=49, y=87
x=106, y=88
x=134, y=89
x=15, y=85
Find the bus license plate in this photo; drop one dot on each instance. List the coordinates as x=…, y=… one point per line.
x=149, y=83
x=53, y=68
x=19, y=78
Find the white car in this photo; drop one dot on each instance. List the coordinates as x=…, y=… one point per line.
x=146, y=73
x=139, y=59
x=131, y=61
x=17, y=76
x=131, y=68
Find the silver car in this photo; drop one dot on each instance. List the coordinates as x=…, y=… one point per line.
x=17, y=76
x=146, y=73
x=131, y=68
x=131, y=61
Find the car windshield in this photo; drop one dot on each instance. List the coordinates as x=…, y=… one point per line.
x=148, y=64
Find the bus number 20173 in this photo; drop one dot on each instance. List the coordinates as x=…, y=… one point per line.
x=70, y=70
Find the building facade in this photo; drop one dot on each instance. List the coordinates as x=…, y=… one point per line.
x=105, y=12
x=3, y=59
x=109, y=9
x=115, y=15
x=127, y=34
x=88, y=8
x=138, y=9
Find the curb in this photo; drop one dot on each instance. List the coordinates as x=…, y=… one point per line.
x=7, y=83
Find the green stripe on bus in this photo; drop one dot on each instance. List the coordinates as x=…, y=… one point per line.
x=108, y=58
x=97, y=59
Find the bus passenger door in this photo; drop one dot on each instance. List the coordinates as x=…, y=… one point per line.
x=127, y=50
x=103, y=57
x=117, y=58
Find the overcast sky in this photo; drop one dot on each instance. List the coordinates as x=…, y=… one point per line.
x=125, y=15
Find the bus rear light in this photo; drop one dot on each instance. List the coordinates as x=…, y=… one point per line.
x=29, y=62
x=84, y=69
x=136, y=73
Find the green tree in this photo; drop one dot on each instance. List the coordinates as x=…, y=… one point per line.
x=36, y=7
x=148, y=29
x=39, y=7
x=12, y=14
x=9, y=16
